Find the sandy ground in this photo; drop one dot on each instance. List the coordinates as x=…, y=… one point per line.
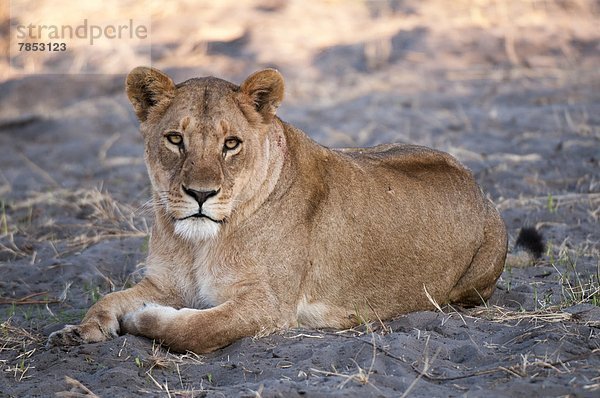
x=512, y=89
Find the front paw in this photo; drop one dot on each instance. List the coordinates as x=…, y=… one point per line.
x=91, y=331
x=68, y=336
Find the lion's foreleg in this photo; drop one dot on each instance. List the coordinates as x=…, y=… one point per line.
x=202, y=330
x=102, y=320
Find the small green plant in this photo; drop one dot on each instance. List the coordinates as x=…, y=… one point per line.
x=550, y=252
x=551, y=204
x=95, y=294
x=145, y=244
x=508, y=269
x=359, y=317
x=595, y=300
x=4, y=220
x=27, y=313
x=138, y=362
x=93, y=291
x=71, y=316
x=209, y=377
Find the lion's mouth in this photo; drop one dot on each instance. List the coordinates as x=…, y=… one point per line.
x=201, y=215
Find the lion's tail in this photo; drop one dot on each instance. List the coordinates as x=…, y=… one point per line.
x=529, y=247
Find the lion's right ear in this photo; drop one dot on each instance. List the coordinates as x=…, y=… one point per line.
x=265, y=89
x=148, y=90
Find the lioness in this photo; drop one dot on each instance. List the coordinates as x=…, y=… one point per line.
x=258, y=228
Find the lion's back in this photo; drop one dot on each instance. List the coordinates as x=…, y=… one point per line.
x=407, y=159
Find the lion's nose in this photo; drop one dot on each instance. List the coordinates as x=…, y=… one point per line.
x=200, y=196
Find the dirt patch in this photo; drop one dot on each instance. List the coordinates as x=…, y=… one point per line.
x=510, y=88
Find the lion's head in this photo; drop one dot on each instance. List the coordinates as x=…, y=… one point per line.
x=207, y=145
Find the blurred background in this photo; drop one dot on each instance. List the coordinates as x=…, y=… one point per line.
x=320, y=37
x=327, y=50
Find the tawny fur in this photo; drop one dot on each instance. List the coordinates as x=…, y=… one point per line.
x=298, y=234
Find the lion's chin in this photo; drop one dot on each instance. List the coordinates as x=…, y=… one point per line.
x=196, y=229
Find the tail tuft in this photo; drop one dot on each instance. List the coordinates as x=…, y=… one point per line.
x=532, y=241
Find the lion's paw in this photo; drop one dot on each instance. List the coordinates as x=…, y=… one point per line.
x=88, y=332
x=68, y=336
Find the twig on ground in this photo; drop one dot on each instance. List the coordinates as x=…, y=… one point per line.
x=426, y=366
x=514, y=370
x=77, y=390
x=27, y=300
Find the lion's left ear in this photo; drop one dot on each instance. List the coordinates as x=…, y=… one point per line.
x=265, y=88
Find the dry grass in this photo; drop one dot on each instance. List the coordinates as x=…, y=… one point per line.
x=558, y=201
x=432, y=300
x=361, y=376
x=427, y=363
x=78, y=390
x=576, y=288
x=161, y=358
x=496, y=313
x=526, y=365
x=16, y=338
x=20, y=344
x=87, y=216
x=164, y=359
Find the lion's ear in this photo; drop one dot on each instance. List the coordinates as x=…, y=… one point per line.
x=265, y=89
x=148, y=89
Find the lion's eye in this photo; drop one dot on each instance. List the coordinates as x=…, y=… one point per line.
x=175, y=139
x=231, y=144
